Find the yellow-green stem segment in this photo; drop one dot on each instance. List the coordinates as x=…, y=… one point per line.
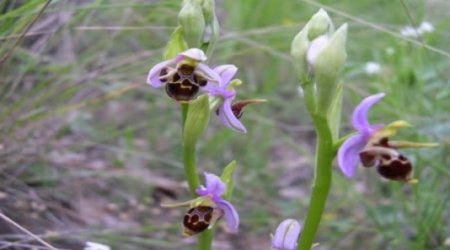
x=322, y=181
x=190, y=168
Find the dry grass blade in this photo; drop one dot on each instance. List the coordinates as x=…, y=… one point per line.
x=32, y=235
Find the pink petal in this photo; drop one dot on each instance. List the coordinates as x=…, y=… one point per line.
x=316, y=46
x=286, y=235
x=348, y=154
x=230, y=213
x=214, y=184
x=213, y=85
x=226, y=73
x=360, y=115
x=227, y=117
x=153, y=74
x=205, y=69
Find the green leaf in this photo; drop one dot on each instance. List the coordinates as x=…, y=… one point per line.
x=227, y=178
x=334, y=113
x=197, y=120
x=176, y=44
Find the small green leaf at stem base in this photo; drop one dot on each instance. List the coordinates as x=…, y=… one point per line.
x=176, y=44
x=197, y=120
x=334, y=113
x=227, y=178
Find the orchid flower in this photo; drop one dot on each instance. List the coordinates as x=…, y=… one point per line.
x=184, y=75
x=286, y=235
x=229, y=112
x=371, y=146
x=209, y=207
x=213, y=191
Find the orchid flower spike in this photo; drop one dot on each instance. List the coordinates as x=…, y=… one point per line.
x=286, y=235
x=184, y=75
x=229, y=112
x=371, y=146
x=205, y=210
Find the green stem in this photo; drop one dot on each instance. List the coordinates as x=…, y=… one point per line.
x=322, y=181
x=184, y=112
x=310, y=97
x=190, y=169
x=205, y=239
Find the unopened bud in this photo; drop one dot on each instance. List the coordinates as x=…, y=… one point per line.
x=286, y=235
x=327, y=66
x=211, y=31
x=192, y=21
x=320, y=24
x=319, y=56
x=299, y=48
x=208, y=7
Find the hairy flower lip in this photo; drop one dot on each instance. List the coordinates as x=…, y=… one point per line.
x=177, y=70
x=214, y=189
x=210, y=195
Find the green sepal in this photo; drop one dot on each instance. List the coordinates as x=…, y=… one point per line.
x=209, y=10
x=208, y=43
x=299, y=47
x=319, y=24
x=328, y=66
x=192, y=20
x=176, y=44
x=410, y=144
x=334, y=113
x=197, y=119
x=227, y=178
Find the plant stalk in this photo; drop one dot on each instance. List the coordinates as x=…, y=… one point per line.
x=190, y=168
x=322, y=181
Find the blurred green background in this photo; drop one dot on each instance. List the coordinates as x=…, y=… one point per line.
x=89, y=151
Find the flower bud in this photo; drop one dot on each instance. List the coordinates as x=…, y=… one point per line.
x=299, y=47
x=286, y=235
x=210, y=36
x=319, y=55
x=208, y=8
x=328, y=64
x=320, y=24
x=199, y=23
x=211, y=31
x=192, y=21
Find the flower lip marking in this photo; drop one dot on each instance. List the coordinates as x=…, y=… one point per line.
x=197, y=220
x=183, y=76
x=209, y=207
x=389, y=162
x=182, y=83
